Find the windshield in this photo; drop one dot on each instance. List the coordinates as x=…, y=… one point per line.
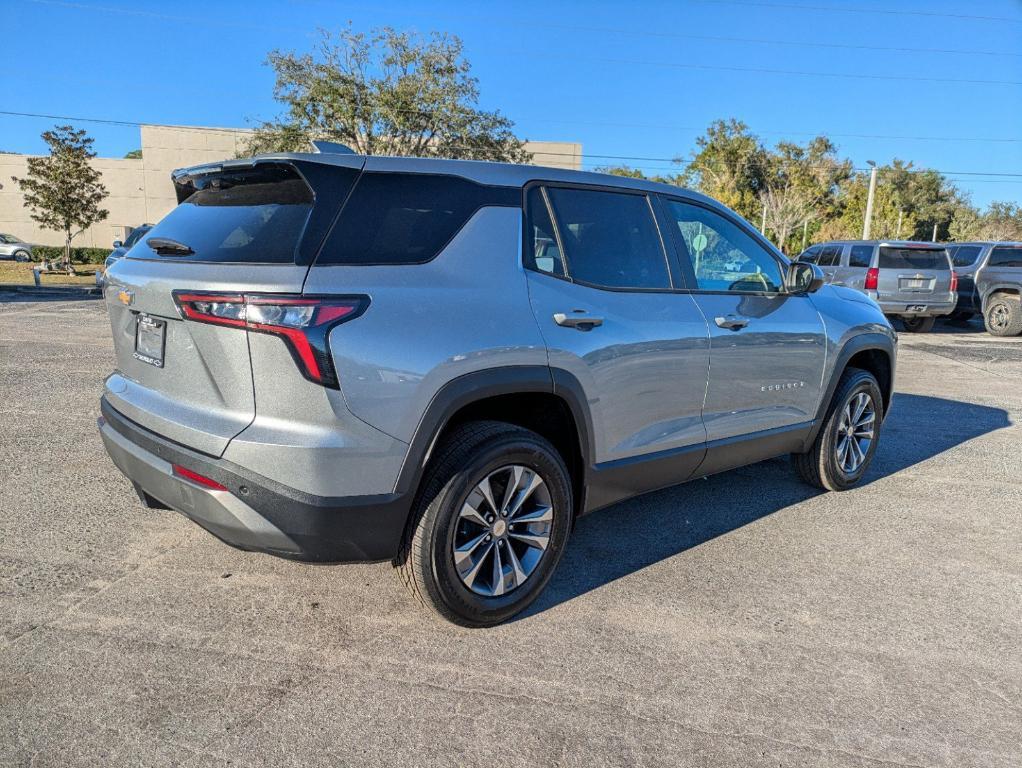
x=913, y=258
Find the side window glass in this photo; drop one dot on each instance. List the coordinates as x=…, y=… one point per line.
x=861, y=256
x=830, y=256
x=723, y=256
x=811, y=255
x=543, y=254
x=1005, y=257
x=610, y=239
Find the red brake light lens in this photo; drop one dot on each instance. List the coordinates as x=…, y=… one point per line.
x=303, y=322
x=954, y=281
x=198, y=479
x=872, y=279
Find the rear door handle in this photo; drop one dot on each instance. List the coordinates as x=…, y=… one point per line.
x=731, y=322
x=577, y=320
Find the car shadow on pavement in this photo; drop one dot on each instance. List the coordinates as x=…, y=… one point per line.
x=32, y=297
x=619, y=540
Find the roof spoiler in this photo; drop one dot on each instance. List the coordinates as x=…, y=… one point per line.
x=331, y=148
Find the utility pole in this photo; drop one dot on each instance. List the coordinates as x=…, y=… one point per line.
x=805, y=233
x=934, y=238
x=762, y=225
x=898, y=233
x=867, y=224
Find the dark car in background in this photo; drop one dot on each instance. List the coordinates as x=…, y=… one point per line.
x=119, y=250
x=989, y=283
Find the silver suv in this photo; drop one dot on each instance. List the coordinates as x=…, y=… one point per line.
x=989, y=282
x=910, y=280
x=332, y=357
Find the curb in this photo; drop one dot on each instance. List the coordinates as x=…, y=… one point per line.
x=68, y=290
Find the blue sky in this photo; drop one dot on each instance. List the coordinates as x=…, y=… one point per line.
x=938, y=82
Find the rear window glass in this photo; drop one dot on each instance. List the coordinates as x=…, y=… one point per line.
x=965, y=255
x=252, y=215
x=830, y=256
x=407, y=218
x=913, y=258
x=1005, y=257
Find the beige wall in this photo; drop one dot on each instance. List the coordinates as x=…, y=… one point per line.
x=141, y=190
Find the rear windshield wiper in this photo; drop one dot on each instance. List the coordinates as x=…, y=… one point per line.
x=166, y=247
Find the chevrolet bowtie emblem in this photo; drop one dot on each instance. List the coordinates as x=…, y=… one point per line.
x=126, y=297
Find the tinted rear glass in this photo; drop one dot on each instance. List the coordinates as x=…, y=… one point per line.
x=965, y=255
x=1005, y=257
x=913, y=258
x=407, y=218
x=610, y=238
x=861, y=256
x=251, y=215
x=830, y=256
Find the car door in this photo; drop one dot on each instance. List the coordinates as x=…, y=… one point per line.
x=767, y=345
x=602, y=293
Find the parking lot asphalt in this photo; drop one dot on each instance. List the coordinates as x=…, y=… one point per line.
x=743, y=620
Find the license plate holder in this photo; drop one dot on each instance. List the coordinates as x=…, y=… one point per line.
x=915, y=308
x=150, y=339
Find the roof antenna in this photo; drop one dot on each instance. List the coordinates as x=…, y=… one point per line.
x=331, y=148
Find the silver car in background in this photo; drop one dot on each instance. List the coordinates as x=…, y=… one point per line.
x=15, y=248
x=119, y=250
x=989, y=283
x=913, y=281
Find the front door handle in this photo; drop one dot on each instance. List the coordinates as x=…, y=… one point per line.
x=577, y=320
x=731, y=322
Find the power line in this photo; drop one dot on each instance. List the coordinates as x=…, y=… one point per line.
x=678, y=162
x=591, y=123
x=505, y=22
x=846, y=9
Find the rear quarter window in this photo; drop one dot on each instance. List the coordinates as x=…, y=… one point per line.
x=861, y=256
x=1005, y=257
x=407, y=218
x=913, y=258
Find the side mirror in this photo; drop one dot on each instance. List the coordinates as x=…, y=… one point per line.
x=804, y=277
x=118, y=243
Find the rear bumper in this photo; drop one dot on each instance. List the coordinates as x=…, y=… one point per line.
x=255, y=513
x=931, y=308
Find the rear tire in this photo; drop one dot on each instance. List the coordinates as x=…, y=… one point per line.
x=22, y=256
x=829, y=463
x=1003, y=315
x=453, y=510
x=918, y=324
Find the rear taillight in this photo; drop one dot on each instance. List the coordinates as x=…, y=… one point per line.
x=303, y=322
x=872, y=279
x=954, y=281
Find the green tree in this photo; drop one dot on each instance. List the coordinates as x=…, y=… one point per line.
x=800, y=186
x=385, y=92
x=730, y=166
x=635, y=173
x=135, y=154
x=1001, y=221
x=62, y=190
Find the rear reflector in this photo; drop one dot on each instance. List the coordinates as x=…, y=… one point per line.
x=954, y=281
x=303, y=322
x=872, y=279
x=198, y=479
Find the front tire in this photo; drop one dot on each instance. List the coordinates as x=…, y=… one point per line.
x=1003, y=315
x=916, y=324
x=22, y=256
x=847, y=441
x=489, y=524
